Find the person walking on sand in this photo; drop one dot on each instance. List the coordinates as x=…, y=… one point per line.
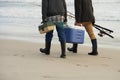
x=84, y=15
x=56, y=12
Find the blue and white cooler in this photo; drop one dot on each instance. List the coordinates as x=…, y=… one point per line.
x=74, y=34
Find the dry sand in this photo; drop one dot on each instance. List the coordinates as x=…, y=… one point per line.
x=20, y=60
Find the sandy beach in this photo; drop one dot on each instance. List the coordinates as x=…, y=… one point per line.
x=20, y=42
x=20, y=60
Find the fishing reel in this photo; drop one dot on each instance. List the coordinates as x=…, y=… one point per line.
x=101, y=34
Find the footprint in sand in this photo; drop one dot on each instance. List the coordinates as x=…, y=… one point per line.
x=22, y=55
x=106, y=57
x=81, y=65
x=118, y=70
x=15, y=55
x=106, y=65
x=47, y=76
x=78, y=65
x=19, y=55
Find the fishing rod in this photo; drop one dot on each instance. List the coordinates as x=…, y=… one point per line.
x=102, y=31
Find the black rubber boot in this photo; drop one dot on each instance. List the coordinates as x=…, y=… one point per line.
x=94, y=48
x=46, y=50
x=63, y=50
x=73, y=49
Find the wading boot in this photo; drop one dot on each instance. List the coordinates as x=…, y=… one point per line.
x=46, y=50
x=63, y=50
x=73, y=49
x=94, y=48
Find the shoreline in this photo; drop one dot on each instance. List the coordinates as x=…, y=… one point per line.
x=87, y=44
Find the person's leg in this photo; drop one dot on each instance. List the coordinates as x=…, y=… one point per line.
x=61, y=35
x=89, y=29
x=48, y=39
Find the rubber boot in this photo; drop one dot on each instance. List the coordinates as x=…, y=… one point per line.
x=73, y=49
x=94, y=48
x=63, y=50
x=46, y=50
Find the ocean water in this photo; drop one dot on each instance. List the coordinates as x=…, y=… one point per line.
x=19, y=20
